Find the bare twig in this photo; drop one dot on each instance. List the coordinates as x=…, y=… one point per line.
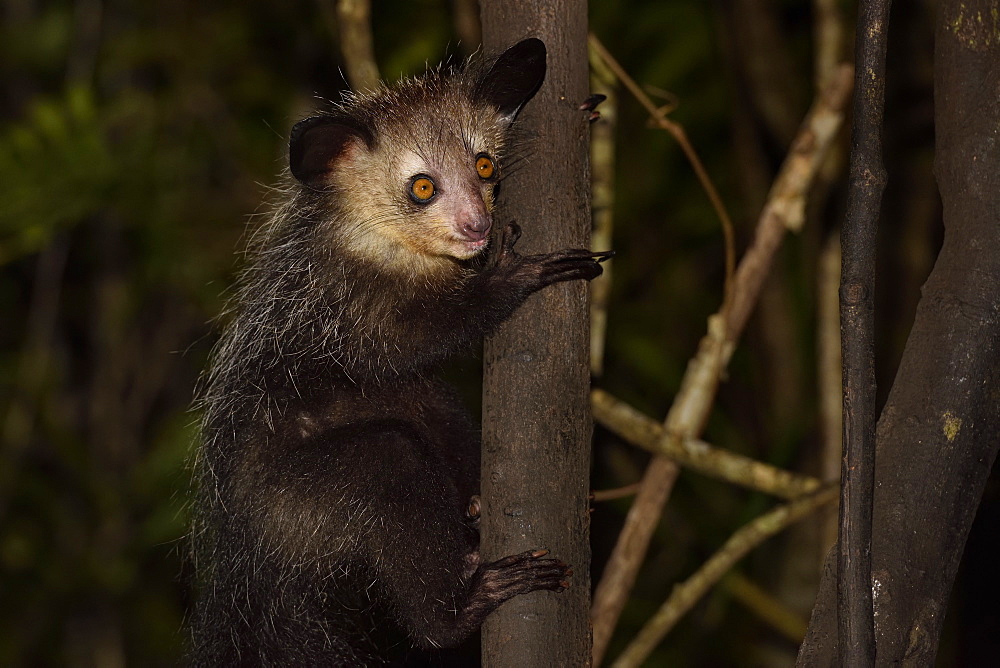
x=354, y=23
x=697, y=455
x=686, y=594
x=828, y=34
x=619, y=493
x=856, y=628
x=765, y=606
x=629, y=551
x=830, y=408
x=602, y=182
x=659, y=116
x=829, y=37
x=687, y=416
x=785, y=208
x=657, y=482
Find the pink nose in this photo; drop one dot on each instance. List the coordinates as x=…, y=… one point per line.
x=477, y=227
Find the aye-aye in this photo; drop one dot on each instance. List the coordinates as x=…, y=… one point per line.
x=337, y=476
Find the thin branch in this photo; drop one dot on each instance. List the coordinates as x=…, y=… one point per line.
x=830, y=378
x=686, y=418
x=856, y=627
x=829, y=40
x=354, y=23
x=697, y=455
x=828, y=34
x=602, y=184
x=618, y=493
x=765, y=607
x=629, y=552
x=688, y=593
x=785, y=208
x=658, y=115
x=643, y=516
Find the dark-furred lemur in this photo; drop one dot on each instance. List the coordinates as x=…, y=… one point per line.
x=336, y=512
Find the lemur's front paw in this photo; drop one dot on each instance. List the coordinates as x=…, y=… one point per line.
x=567, y=265
x=519, y=574
x=534, y=272
x=511, y=233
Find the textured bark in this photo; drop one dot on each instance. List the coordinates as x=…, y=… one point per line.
x=536, y=416
x=857, y=332
x=939, y=432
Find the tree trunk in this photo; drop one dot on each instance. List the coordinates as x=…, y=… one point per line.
x=536, y=415
x=940, y=430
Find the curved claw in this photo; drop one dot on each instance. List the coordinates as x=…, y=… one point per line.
x=590, y=104
x=511, y=233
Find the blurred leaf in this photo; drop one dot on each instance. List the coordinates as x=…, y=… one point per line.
x=56, y=167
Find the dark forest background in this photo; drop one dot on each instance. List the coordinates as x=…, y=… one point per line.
x=138, y=144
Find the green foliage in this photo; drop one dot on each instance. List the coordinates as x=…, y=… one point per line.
x=57, y=168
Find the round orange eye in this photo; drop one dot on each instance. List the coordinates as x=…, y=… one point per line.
x=421, y=188
x=484, y=166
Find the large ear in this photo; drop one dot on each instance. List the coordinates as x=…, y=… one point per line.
x=317, y=142
x=514, y=78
